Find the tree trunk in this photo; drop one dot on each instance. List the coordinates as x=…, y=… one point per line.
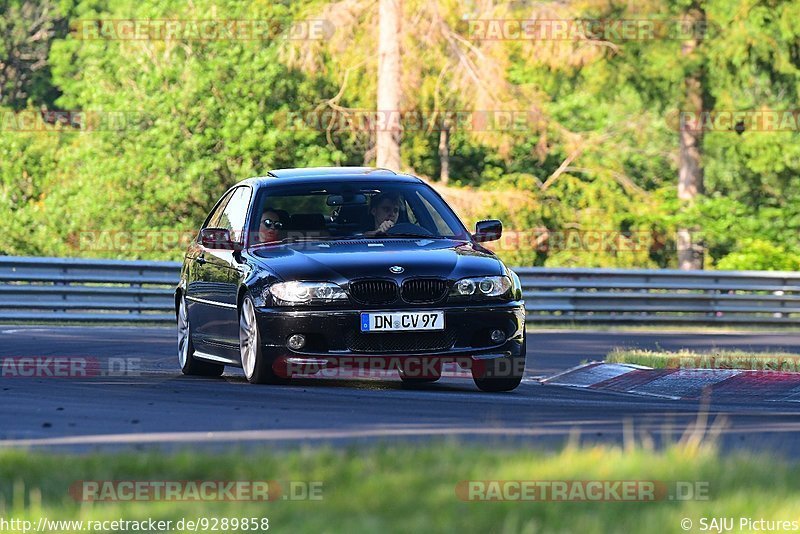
x=444, y=154
x=29, y=29
x=690, y=168
x=387, y=137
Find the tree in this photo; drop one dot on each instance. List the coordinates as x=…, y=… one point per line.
x=690, y=164
x=598, y=159
x=388, y=137
x=444, y=154
x=208, y=109
x=27, y=29
x=439, y=71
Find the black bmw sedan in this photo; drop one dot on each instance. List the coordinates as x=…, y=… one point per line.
x=306, y=270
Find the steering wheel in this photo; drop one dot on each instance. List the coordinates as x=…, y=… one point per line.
x=408, y=228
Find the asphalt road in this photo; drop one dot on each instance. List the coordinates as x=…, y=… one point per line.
x=156, y=406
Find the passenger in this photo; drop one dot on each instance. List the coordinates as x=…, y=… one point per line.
x=271, y=226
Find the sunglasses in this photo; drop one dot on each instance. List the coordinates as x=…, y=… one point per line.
x=269, y=223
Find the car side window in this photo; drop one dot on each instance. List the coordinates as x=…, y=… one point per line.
x=442, y=227
x=213, y=217
x=412, y=216
x=233, y=216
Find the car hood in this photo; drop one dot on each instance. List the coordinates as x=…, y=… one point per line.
x=339, y=261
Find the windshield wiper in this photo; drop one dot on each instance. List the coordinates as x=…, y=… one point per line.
x=416, y=236
x=289, y=240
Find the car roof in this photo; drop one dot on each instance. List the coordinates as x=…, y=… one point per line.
x=311, y=174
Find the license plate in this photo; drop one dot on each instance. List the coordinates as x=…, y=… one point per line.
x=402, y=321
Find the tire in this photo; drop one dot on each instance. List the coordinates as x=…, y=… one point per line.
x=510, y=370
x=429, y=378
x=257, y=369
x=189, y=364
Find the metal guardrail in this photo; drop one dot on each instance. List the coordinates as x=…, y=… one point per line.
x=67, y=289
x=660, y=296
x=59, y=289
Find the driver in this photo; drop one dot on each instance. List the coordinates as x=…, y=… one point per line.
x=385, y=210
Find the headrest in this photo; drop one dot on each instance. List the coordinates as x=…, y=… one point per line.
x=307, y=222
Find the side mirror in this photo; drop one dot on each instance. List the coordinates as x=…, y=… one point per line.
x=488, y=230
x=217, y=238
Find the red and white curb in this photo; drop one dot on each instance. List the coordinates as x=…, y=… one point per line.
x=682, y=383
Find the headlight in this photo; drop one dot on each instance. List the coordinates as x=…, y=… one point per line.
x=484, y=286
x=293, y=293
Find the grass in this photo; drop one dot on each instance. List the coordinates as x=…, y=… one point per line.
x=718, y=359
x=412, y=487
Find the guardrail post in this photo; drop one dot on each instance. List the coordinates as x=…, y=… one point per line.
x=784, y=283
x=139, y=295
x=647, y=281
x=64, y=282
x=713, y=312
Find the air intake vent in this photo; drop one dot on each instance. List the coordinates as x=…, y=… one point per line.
x=406, y=342
x=374, y=291
x=424, y=290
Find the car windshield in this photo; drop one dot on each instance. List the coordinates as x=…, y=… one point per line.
x=362, y=210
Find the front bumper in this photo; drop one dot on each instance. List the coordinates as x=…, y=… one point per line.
x=334, y=333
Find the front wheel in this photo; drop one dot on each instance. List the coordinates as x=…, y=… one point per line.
x=189, y=364
x=256, y=368
x=501, y=374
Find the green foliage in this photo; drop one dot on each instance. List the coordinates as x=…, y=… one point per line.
x=759, y=255
x=599, y=157
x=208, y=108
x=27, y=30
